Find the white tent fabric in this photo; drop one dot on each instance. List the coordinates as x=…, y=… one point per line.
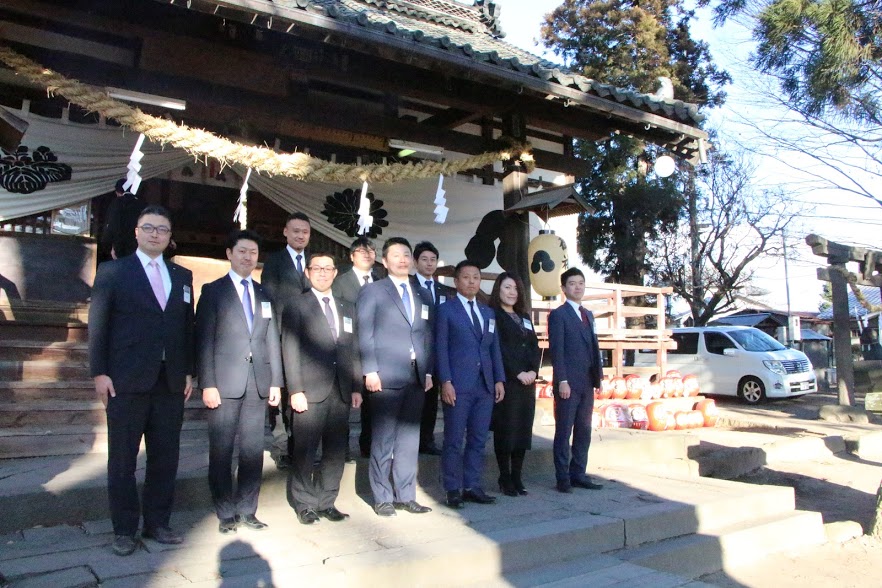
x=410, y=206
x=98, y=156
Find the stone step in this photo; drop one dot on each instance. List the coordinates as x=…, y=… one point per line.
x=39, y=331
x=27, y=349
x=69, y=412
x=748, y=541
x=31, y=442
x=43, y=369
x=48, y=390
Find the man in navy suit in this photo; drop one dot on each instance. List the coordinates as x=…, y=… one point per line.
x=575, y=358
x=425, y=259
x=472, y=380
x=363, y=254
x=141, y=358
x=395, y=341
x=323, y=374
x=240, y=371
x=284, y=279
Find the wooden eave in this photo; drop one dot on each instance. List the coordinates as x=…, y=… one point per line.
x=679, y=137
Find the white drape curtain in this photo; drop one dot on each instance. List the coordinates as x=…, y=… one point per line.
x=99, y=155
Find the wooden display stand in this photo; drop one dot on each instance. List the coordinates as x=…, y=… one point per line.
x=608, y=303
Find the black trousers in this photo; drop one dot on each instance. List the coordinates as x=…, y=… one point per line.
x=243, y=417
x=156, y=416
x=325, y=423
x=430, y=415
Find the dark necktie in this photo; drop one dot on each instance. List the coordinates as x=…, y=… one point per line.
x=584, y=314
x=366, y=278
x=475, y=322
x=329, y=315
x=431, y=292
x=405, y=299
x=300, y=263
x=246, y=306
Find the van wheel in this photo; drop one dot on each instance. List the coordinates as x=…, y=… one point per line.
x=751, y=390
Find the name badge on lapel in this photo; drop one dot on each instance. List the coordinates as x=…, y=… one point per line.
x=492, y=326
x=424, y=313
x=186, y=294
x=442, y=299
x=528, y=325
x=266, y=309
x=347, y=324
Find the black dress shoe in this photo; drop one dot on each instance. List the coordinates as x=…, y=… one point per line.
x=564, y=487
x=477, y=495
x=454, y=499
x=332, y=514
x=251, y=522
x=521, y=490
x=430, y=450
x=507, y=488
x=163, y=535
x=283, y=462
x=227, y=526
x=587, y=484
x=411, y=506
x=307, y=516
x=384, y=509
x=124, y=545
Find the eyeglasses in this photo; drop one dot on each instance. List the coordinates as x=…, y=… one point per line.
x=365, y=251
x=161, y=229
x=321, y=270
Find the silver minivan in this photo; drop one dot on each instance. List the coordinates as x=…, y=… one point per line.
x=741, y=361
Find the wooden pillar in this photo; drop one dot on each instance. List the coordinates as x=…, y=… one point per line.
x=842, y=333
x=512, y=255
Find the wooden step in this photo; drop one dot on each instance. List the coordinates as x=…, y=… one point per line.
x=47, y=390
x=37, y=331
x=43, y=369
x=29, y=349
x=70, y=412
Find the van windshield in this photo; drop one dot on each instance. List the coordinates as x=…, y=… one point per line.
x=755, y=340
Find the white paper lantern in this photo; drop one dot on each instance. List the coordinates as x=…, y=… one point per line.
x=547, y=255
x=664, y=166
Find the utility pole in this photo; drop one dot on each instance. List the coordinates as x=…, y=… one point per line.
x=694, y=243
x=787, y=285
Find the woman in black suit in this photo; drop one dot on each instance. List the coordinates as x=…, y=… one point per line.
x=512, y=423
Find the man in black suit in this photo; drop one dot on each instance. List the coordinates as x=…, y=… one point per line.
x=425, y=257
x=122, y=216
x=284, y=280
x=141, y=358
x=240, y=366
x=395, y=340
x=323, y=376
x=575, y=359
x=363, y=254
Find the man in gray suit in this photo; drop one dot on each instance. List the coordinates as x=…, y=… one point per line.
x=240, y=370
x=395, y=340
x=141, y=357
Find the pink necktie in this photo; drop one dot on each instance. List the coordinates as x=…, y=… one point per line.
x=156, y=283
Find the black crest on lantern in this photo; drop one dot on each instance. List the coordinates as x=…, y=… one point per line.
x=341, y=210
x=23, y=172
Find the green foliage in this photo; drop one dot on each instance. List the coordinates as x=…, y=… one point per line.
x=630, y=210
x=630, y=43
x=826, y=53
